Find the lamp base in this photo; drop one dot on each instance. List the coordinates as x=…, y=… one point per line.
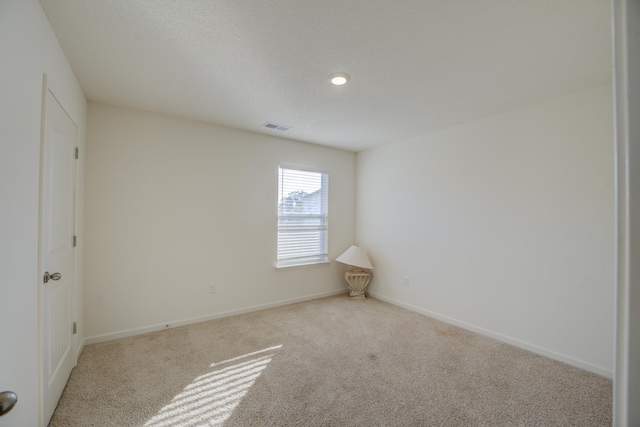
x=358, y=281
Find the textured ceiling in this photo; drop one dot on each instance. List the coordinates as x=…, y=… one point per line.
x=416, y=66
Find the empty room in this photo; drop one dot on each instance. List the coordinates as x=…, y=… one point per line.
x=290, y=213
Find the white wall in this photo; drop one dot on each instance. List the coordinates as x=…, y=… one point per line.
x=173, y=205
x=504, y=225
x=28, y=48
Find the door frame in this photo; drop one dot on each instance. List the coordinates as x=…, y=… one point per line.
x=48, y=87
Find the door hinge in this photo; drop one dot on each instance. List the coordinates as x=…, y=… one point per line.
x=75, y=329
x=75, y=241
x=77, y=152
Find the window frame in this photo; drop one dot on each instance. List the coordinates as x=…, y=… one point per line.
x=322, y=256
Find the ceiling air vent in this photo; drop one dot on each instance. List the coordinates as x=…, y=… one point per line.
x=274, y=126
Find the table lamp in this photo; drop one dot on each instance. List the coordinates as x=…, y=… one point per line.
x=357, y=277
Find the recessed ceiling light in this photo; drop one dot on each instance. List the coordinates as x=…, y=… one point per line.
x=338, y=79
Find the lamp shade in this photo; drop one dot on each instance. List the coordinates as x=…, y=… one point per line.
x=356, y=257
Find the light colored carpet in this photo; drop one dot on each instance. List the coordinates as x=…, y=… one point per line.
x=327, y=362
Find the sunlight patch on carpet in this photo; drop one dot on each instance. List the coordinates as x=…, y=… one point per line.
x=211, y=398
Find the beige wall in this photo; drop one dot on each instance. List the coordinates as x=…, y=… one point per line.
x=28, y=49
x=504, y=225
x=173, y=205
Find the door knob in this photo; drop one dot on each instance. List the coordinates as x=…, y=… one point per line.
x=7, y=400
x=54, y=276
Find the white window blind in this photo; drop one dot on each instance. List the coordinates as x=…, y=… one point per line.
x=302, y=217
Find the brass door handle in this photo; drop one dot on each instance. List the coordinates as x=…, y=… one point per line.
x=54, y=276
x=7, y=400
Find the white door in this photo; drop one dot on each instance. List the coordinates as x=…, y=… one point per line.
x=57, y=210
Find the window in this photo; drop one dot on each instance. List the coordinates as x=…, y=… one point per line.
x=302, y=217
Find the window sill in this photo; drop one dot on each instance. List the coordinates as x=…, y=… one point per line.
x=302, y=264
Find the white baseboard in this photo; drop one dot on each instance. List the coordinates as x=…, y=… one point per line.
x=504, y=338
x=79, y=350
x=172, y=324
